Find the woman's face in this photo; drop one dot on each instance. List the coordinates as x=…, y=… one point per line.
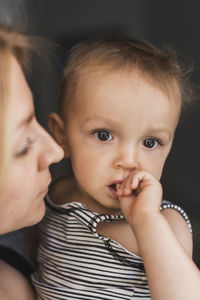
x=33, y=150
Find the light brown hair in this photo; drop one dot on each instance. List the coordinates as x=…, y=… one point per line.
x=159, y=66
x=17, y=45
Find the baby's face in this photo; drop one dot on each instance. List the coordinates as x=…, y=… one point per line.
x=118, y=123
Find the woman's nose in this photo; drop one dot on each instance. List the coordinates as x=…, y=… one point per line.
x=51, y=152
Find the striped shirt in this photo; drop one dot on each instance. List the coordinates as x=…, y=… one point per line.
x=75, y=262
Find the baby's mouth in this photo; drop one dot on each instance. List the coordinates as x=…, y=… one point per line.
x=113, y=186
x=113, y=189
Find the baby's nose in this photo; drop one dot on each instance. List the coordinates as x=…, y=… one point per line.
x=127, y=159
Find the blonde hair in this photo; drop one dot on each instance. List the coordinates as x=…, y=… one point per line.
x=17, y=45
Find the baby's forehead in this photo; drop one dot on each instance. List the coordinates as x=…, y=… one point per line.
x=94, y=73
x=121, y=94
x=100, y=81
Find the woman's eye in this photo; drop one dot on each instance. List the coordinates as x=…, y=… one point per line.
x=150, y=143
x=103, y=135
x=26, y=149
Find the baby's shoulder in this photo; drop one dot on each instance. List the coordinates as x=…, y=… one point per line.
x=180, y=227
x=62, y=190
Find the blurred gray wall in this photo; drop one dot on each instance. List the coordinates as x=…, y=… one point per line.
x=161, y=22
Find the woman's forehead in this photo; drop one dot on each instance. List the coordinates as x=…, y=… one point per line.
x=20, y=96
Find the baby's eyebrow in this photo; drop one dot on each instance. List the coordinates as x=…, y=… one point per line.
x=161, y=131
x=110, y=122
x=98, y=118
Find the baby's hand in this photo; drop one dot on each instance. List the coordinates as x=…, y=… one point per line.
x=140, y=194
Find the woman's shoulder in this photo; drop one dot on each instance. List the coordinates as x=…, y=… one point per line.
x=13, y=285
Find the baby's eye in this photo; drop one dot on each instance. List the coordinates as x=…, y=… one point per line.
x=103, y=135
x=151, y=143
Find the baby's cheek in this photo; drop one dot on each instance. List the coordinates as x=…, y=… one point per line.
x=83, y=173
x=158, y=173
x=156, y=167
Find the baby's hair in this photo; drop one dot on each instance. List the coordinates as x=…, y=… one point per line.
x=159, y=66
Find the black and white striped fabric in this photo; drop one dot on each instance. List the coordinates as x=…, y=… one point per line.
x=75, y=262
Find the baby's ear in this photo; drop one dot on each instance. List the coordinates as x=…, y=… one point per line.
x=57, y=128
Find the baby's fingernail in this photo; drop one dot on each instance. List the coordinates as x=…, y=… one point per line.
x=119, y=191
x=126, y=190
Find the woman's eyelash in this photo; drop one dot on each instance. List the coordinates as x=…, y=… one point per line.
x=26, y=149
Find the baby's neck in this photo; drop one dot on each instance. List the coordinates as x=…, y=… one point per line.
x=63, y=190
x=96, y=207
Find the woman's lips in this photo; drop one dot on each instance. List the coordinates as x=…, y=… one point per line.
x=45, y=190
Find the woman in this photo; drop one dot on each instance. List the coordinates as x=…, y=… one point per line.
x=26, y=151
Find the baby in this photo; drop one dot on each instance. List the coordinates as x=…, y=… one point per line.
x=107, y=234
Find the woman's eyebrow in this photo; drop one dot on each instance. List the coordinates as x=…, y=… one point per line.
x=27, y=120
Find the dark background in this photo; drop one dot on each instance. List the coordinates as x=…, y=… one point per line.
x=161, y=22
